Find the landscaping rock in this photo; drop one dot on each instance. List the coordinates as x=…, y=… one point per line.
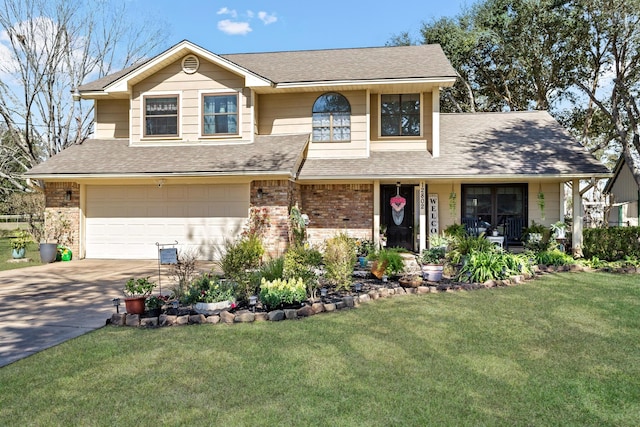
x=433, y=289
x=149, y=321
x=490, y=284
x=317, y=307
x=133, y=320
x=423, y=289
x=340, y=305
x=385, y=292
x=290, y=313
x=410, y=290
x=182, y=320
x=400, y=291
x=197, y=319
x=118, y=319
x=213, y=319
x=167, y=320
x=276, y=315
x=348, y=301
x=305, y=311
x=374, y=295
x=330, y=307
x=227, y=317
x=262, y=316
x=364, y=298
x=245, y=316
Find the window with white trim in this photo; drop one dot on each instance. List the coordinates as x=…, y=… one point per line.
x=331, y=118
x=220, y=114
x=400, y=114
x=161, y=115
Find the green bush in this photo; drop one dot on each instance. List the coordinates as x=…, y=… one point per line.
x=339, y=260
x=466, y=244
x=272, y=269
x=239, y=261
x=208, y=288
x=392, y=258
x=612, y=243
x=478, y=266
x=274, y=293
x=554, y=257
x=302, y=261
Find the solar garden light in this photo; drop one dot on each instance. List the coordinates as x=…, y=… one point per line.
x=253, y=300
x=116, y=304
x=323, y=292
x=175, y=304
x=358, y=287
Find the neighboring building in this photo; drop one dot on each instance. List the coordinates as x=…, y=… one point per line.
x=623, y=196
x=189, y=142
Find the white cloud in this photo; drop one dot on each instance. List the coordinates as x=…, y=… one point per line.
x=250, y=14
x=234, y=28
x=226, y=11
x=266, y=18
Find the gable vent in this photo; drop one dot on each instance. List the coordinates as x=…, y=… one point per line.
x=190, y=64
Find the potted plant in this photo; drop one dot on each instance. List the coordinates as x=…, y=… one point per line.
x=19, y=244
x=57, y=232
x=364, y=247
x=208, y=294
x=136, y=292
x=560, y=229
x=432, y=261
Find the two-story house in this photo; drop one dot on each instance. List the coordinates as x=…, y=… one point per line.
x=188, y=142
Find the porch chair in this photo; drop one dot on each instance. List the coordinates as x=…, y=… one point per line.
x=513, y=229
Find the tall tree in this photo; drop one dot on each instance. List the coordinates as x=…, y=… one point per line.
x=48, y=48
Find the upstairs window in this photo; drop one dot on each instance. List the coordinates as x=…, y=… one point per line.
x=220, y=114
x=400, y=115
x=331, y=118
x=161, y=115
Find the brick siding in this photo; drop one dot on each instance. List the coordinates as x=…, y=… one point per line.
x=57, y=205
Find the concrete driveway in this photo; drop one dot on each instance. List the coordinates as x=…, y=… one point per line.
x=45, y=305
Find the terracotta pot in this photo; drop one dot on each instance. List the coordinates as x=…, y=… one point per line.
x=378, y=268
x=135, y=305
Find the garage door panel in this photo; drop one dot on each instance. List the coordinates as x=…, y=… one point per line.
x=126, y=222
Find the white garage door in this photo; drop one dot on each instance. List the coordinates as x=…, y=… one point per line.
x=125, y=222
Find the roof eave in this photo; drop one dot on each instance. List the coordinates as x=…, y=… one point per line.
x=139, y=175
x=441, y=81
x=487, y=177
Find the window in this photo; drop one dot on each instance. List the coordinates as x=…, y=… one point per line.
x=331, y=118
x=160, y=116
x=220, y=114
x=497, y=205
x=400, y=115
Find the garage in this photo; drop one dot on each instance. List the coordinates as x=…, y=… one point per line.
x=126, y=222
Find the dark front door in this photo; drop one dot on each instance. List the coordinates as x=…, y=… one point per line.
x=397, y=215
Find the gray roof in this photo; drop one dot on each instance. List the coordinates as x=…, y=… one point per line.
x=374, y=63
x=397, y=62
x=476, y=145
x=268, y=155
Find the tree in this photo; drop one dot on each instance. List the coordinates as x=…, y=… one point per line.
x=610, y=73
x=47, y=49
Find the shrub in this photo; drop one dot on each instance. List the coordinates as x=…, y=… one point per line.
x=466, y=244
x=141, y=286
x=391, y=257
x=182, y=272
x=302, y=261
x=480, y=266
x=208, y=288
x=274, y=293
x=339, y=260
x=553, y=257
x=455, y=231
x=272, y=269
x=612, y=243
x=432, y=256
x=239, y=261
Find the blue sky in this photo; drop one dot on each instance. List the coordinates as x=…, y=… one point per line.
x=260, y=26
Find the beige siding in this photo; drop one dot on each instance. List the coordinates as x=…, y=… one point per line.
x=189, y=88
x=291, y=113
x=552, y=199
x=112, y=118
x=625, y=188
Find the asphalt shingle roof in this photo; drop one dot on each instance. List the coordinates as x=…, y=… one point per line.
x=384, y=63
x=268, y=155
x=472, y=145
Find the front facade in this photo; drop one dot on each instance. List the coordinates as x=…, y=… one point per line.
x=624, y=195
x=187, y=144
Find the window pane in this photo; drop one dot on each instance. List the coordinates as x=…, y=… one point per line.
x=161, y=126
x=390, y=125
x=161, y=106
x=390, y=104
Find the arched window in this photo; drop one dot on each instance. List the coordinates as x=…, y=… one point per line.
x=331, y=118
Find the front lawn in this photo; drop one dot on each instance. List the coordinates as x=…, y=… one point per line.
x=5, y=255
x=561, y=350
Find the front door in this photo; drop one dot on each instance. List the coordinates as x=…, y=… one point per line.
x=397, y=215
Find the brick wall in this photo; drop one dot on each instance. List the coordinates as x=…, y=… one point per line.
x=335, y=208
x=62, y=201
x=276, y=196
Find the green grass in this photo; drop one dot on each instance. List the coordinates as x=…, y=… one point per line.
x=561, y=350
x=5, y=255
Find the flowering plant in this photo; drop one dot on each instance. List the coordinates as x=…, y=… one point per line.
x=154, y=301
x=208, y=288
x=140, y=287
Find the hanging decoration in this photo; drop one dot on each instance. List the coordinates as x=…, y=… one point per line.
x=397, y=207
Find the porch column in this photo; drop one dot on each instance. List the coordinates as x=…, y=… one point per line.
x=577, y=219
x=435, y=122
x=376, y=213
x=423, y=217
